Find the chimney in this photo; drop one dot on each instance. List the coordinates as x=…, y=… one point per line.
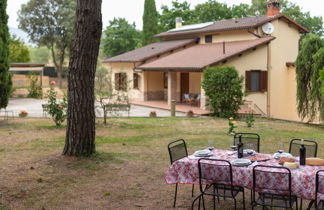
x=273, y=7
x=178, y=21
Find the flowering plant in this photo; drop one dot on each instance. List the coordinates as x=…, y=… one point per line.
x=250, y=118
x=232, y=125
x=23, y=113
x=57, y=109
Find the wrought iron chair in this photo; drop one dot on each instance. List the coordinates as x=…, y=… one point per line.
x=311, y=147
x=319, y=202
x=177, y=150
x=217, y=176
x=270, y=192
x=250, y=140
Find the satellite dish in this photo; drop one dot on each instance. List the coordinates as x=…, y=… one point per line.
x=268, y=28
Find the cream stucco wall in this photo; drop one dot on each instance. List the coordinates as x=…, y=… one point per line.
x=229, y=36
x=281, y=79
x=133, y=94
x=252, y=60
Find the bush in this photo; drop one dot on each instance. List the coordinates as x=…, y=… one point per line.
x=58, y=110
x=34, y=90
x=223, y=86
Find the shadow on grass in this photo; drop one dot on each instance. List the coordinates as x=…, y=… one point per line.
x=96, y=161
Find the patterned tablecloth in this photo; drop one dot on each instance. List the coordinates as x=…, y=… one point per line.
x=185, y=171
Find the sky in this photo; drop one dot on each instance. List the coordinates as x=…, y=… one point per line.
x=132, y=10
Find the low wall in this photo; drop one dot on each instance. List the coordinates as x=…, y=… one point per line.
x=23, y=80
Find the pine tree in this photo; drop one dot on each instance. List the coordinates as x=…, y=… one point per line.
x=309, y=96
x=5, y=79
x=150, y=22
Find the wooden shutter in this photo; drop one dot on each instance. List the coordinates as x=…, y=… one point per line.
x=264, y=81
x=247, y=80
x=117, y=81
x=123, y=81
x=135, y=80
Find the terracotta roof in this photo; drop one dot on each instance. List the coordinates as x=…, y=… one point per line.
x=149, y=51
x=234, y=24
x=27, y=64
x=198, y=57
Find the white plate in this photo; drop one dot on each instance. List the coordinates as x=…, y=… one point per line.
x=249, y=152
x=203, y=153
x=241, y=162
x=279, y=155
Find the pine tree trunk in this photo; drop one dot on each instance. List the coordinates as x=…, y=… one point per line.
x=80, y=133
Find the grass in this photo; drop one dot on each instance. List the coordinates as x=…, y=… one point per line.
x=128, y=170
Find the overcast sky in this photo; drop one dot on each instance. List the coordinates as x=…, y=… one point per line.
x=132, y=10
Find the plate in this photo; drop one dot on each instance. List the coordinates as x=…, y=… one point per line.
x=247, y=152
x=241, y=162
x=203, y=153
x=279, y=155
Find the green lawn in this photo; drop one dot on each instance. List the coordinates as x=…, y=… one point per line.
x=128, y=170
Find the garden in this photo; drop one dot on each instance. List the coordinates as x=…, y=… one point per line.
x=129, y=167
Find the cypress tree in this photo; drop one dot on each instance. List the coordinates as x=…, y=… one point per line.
x=5, y=78
x=150, y=22
x=309, y=96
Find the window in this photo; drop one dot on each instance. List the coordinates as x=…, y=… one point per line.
x=256, y=81
x=208, y=39
x=121, y=81
x=135, y=81
x=165, y=79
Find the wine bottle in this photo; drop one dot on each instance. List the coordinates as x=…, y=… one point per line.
x=302, y=153
x=240, y=148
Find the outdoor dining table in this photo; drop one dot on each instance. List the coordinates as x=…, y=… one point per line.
x=185, y=171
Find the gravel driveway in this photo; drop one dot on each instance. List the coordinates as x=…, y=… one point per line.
x=34, y=109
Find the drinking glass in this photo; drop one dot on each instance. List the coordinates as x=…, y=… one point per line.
x=281, y=147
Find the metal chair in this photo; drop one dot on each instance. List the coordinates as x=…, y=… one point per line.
x=311, y=147
x=319, y=202
x=249, y=140
x=177, y=150
x=217, y=176
x=270, y=192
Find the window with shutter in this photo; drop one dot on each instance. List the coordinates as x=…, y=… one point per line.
x=256, y=81
x=135, y=81
x=123, y=81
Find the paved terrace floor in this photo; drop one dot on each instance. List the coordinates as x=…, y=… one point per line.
x=179, y=107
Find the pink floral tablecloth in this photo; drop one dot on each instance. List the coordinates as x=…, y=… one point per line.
x=185, y=171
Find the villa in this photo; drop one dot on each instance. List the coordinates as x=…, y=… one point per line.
x=262, y=48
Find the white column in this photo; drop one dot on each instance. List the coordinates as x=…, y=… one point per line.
x=172, y=87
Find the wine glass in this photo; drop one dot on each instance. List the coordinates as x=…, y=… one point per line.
x=281, y=147
x=210, y=145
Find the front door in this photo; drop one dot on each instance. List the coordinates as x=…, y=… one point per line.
x=184, y=85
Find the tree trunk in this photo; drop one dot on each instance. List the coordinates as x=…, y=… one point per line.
x=80, y=133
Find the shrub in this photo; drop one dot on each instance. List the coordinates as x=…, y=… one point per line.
x=57, y=109
x=249, y=119
x=232, y=125
x=223, y=86
x=35, y=90
x=23, y=113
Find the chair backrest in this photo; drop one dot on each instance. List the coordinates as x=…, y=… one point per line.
x=272, y=180
x=177, y=150
x=249, y=140
x=186, y=96
x=214, y=171
x=310, y=145
x=198, y=97
x=320, y=185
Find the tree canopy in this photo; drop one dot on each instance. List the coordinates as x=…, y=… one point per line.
x=18, y=51
x=39, y=54
x=120, y=37
x=308, y=64
x=150, y=22
x=5, y=79
x=50, y=23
